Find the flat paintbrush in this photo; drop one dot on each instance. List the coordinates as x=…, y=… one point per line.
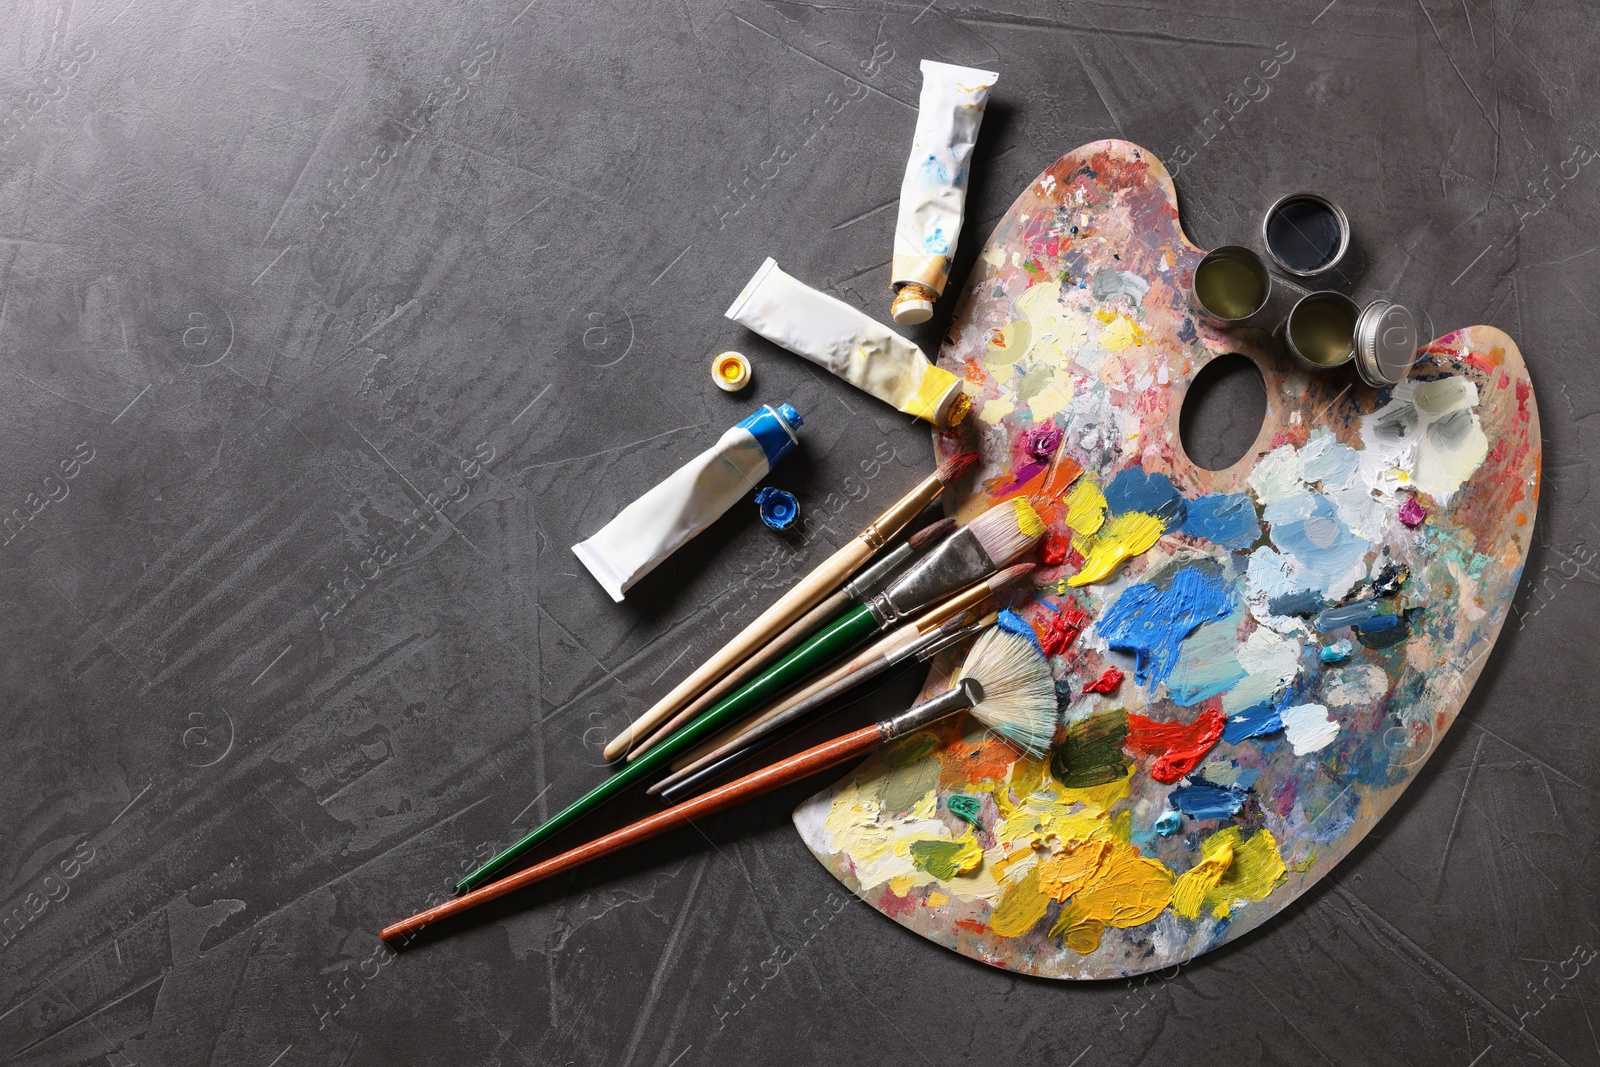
x=796, y=602
x=984, y=545
x=699, y=775
x=854, y=591
x=1005, y=682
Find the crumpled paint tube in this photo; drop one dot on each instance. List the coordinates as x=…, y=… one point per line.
x=838, y=338
x=653, y=527
x=934, y=192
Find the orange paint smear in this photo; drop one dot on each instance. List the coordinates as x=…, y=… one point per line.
x=987, y=761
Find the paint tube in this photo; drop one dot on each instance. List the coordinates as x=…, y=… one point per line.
x=934, y=192
x=838, y=338
x=653, y=527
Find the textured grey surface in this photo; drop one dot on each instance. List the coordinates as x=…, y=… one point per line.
x=287, y=268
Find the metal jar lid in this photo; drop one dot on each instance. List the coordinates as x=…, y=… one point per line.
x=1386, y=344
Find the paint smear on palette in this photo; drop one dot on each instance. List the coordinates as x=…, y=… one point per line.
x=1251, y=664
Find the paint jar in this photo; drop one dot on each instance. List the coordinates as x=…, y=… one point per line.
x=1321, y=330
x=1305, y=234
x=1386, y=344
x=1230, y=284
x=1327, y=329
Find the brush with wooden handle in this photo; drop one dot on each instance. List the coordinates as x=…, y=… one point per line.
x=1005, y=682
x=854, y=591
x=696, y=777
x=896, y=646
x=989, y=542
x=796, y=602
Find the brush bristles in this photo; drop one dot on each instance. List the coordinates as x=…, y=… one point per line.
x=1019, y=696
x=956, y=466
x=1000, y=579
x=1007, y=530
x=931, y=534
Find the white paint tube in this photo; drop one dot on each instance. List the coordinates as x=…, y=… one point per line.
x=840, y=339
x=656, y=525
x=933, y=194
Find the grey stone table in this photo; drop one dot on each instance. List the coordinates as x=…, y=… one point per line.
x=327, y=328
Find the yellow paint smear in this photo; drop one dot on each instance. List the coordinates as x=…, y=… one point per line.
x=1257, y=869
x=995, y=410
x=1125, y=536
x=1086, y=506
x=1028, y=521
x=1021, y=907
x=1064, y=873
x=938, y=900
x=1120, y=331
x=1190, y=892
x=1128, y=890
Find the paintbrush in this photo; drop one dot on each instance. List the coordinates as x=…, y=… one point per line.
x=796, y=602
x=854, y=591
x=901, y=643
x=984, y=545
x=767, y=730
x=1005, y=682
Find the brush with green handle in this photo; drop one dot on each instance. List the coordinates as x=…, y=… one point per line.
x=989, y=542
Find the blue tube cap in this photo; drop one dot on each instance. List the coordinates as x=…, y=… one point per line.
x=778, y=508
x=773, y=429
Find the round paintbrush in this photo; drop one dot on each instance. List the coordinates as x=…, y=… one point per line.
x=1005, y=682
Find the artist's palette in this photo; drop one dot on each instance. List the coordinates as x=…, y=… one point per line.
x=1297, y=632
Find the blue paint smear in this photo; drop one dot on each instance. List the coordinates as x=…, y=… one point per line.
x=1304, y=602
x=1012, y=623
x=1202, y=800
x=1337, y=652
x=1151, y=622
x=1308, y=528
x=1381, y=631
x=1226, y=519
x=1342, y=615
x=1154, y=494
x=1168, y=823
x=1256, y=720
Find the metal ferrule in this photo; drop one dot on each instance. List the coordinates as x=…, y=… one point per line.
x=966, y=693
x=957, y=562
x=940, y=643
x=867, y=580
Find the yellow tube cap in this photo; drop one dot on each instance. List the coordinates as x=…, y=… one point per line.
x=731, y=371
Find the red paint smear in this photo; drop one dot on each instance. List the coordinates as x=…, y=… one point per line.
x=896, y=906
x=1178, y=747
x=972, y=924
x=1292, y=435
x=1064, y=629
x=1473, y=359
x=1056, y=547
x=1066, y=472
x=1106, y=683
x=986, y=761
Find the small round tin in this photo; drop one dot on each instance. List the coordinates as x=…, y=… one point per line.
x=1320, y=330
x=1230, y=284
x=1386, y=344
x=1305, y=234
